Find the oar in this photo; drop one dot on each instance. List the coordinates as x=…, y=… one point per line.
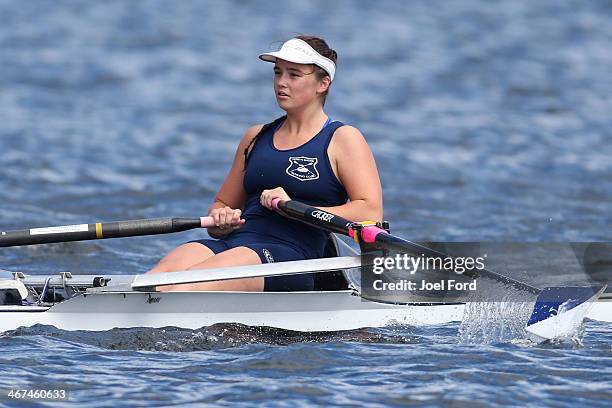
x=373, y=234
x=99, y=230
x=558, y=311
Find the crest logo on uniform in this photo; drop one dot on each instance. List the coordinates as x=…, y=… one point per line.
x=303, y=168
x=268, y=255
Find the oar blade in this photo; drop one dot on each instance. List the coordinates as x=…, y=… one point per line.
x=559, y=311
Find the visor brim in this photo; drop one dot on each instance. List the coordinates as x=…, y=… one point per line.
x=273, y=56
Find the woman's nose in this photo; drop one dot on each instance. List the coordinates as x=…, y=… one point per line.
x=281, y=79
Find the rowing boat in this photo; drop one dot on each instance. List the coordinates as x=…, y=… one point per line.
x=87, y=302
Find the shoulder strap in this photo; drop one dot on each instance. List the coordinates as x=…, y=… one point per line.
x=331, y=129
x=264, y=129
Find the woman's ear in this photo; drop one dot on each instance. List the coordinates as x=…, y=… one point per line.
x=323, y=85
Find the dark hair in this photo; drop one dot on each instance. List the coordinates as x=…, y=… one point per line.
x=248, y=150
x=322, y=48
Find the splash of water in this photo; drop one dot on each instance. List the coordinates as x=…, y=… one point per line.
x=500, y=320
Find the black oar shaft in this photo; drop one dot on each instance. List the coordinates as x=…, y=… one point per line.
x=334, y=223
x=83, y=232
x=399, y=244
x=315, y=217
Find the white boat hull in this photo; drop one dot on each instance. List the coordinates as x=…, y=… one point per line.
x=298, y=311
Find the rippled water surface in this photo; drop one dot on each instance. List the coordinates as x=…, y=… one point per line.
x=488, y=120
x=226, y=365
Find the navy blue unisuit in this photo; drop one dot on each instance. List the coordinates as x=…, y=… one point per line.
x=306, y=174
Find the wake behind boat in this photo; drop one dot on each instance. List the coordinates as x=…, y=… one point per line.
x=85, y=302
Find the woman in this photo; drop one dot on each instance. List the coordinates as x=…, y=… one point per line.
x=303, y=155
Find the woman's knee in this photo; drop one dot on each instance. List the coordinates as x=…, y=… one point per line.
x=183, y=257
x=164, y=265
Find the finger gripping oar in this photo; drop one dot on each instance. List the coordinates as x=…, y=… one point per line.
x=116, y=229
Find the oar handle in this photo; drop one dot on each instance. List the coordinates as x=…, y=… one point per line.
x=312, y=216
x=326, y=220
x=207, y=222
x=116, y=229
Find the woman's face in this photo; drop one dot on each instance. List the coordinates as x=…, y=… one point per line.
x=296, y=85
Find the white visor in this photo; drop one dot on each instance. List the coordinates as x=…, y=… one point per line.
x=300, y=52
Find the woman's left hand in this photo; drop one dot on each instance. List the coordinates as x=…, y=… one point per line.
x=268, y=195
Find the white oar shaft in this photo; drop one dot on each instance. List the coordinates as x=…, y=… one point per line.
x=247, y=271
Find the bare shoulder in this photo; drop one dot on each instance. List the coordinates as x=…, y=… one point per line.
x=250, y=134
x=348, y=136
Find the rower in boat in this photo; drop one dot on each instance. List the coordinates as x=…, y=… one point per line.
x=303, y=155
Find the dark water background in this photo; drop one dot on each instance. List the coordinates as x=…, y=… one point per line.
x=490, y=121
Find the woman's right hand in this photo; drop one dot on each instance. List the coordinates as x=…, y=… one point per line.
x=226, y=220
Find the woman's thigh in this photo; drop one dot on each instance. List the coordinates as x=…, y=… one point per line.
x=183, y=257
x=232, y=257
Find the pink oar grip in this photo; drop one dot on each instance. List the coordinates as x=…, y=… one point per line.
x=207, y=222
x=368, y=233
x=275, y=202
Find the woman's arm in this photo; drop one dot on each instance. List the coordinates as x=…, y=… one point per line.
x=353, y=162
x=229, y=200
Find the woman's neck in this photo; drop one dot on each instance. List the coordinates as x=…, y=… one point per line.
x=306, y=121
